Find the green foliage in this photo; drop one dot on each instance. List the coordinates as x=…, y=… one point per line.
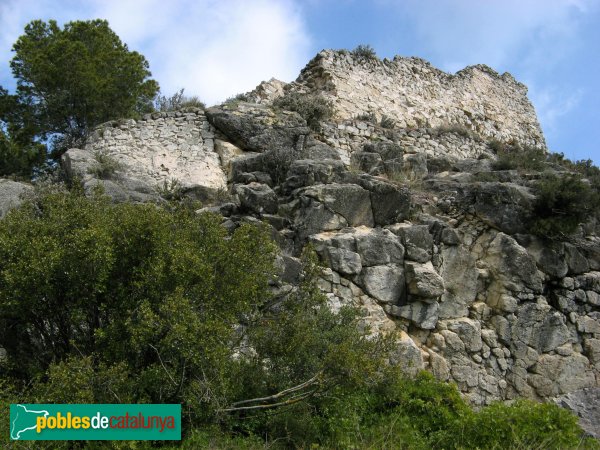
x=364, y=53
x=106, y=166
x=19, y=153
x=177, y=101
x=387, y=122
x=103, y=303
x=171, y=190
x=312, y=108
x=562, y=203
x=461, y=130
x=74, y=78
x=516, y=157
x=367, y=117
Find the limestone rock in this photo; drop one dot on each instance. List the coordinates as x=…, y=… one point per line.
x=257, y=197
x=348, y=200
x=379, y=247
x=417, y=241
x=540, y=327
x=512, y=265
x=585, y=404
x=258, y=128
x=423, y=281
x=11, y=195
x=469, y=332
x=385, y=283
x=423, y=315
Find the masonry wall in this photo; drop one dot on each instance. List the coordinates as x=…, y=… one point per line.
x=415, y=95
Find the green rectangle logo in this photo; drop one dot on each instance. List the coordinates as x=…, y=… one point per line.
x=105, y=422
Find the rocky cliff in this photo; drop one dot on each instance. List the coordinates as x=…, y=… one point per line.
x=412, y=222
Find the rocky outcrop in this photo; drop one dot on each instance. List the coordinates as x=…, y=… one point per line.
x=12, y=194
x=411, y=223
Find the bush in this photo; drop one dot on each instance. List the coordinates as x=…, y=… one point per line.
x=312, y=108
x=106, y=166
x=562, y=203
x=364, y=53
x=177, y=101
x=136, y=303
x=387, y=122
x=516, y=157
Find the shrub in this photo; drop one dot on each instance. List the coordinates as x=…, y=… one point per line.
x=364, y=53
x=312, y=108
x=177, y=101
x=367, y=117
x=562, y=203
x=106, y=166
x=171, y=190
x=516, y=157
x=461, y=130
x=387, y=122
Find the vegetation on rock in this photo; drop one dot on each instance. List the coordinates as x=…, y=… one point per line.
x=312, y=108
x=136, y=303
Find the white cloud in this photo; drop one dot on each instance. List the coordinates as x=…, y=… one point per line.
x=462, y=32
x=213, y=49
x=552, y=104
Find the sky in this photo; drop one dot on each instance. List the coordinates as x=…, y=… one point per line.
x=218, y=48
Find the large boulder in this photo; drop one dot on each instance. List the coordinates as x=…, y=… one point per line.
x=512, y=266
x=257, y=197
x=391, y=202
x=384, y=283
x=585, y=404
x=348, y=200
x=11, y=194
x=423, y=281
x=259, y=128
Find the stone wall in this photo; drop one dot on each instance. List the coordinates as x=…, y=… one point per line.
x=351, y=136
x=162, y=147
x=414, y=94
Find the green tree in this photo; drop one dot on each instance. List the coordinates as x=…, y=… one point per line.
x=74, y=78
x=19, y=152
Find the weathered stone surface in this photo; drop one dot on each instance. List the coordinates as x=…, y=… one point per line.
x=159, y=149
x=385, y=283
x=309, y=172
x=348, y=200
x=460, y=276
x=575, y=260
x=11, y=195
x=555, y=375
x=469, y=332
x=540, y=327
x=549, y=257
x=227, y=152
x=407, y=355
x=259, y=128
x=423, y=315
x=257, y=197
x=423, y=281
x=585, y=404
x=504, y=206
x=512, y=265
x=379, y=247
x=412, y=92
x=391, y=203
x=344, y=261
x=417, y=241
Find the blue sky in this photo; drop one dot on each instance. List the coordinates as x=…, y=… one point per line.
x=218, y=48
